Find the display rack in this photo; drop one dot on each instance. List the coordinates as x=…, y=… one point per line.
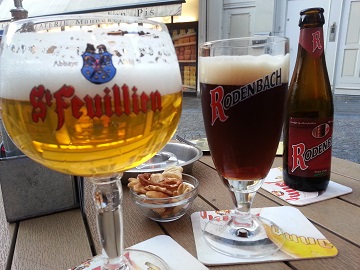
x=185, y=38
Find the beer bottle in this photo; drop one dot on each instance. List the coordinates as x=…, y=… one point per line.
x=308, y=124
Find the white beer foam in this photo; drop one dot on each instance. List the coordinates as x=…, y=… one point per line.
x=241, y=70
x=42, y=59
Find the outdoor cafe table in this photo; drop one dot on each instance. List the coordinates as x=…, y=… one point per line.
x=60, y=241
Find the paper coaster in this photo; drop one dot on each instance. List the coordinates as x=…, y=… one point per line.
x=202, y=143
x=163, y=246
x=274, y=184
x=280, y=149
x=303, y=240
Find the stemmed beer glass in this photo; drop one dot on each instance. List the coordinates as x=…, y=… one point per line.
x=92, y=96
x=243, y=85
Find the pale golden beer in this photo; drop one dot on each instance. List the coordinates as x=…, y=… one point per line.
x=93, y=101
x=88, y=146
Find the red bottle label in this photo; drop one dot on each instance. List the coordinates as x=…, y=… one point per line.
x=312, y=40
x=309, y=147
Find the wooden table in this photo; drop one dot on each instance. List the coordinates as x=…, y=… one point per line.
x=60, y=241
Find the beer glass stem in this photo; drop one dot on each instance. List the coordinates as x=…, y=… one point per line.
x=108, y=195
x=243, y=196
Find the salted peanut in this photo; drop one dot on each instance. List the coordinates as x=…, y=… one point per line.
x=157, y=177
x=173, y=172
x=131, y=179
x=168, y=212
x=136, y=186
x=183, y=188
x=177, y=209
x=171, y=183
x=139, y=188
x=157, y=188
x=156, y=194
x=133, y=182
x=159, y=211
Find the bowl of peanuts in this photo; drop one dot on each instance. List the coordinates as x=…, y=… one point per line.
x=165, y=196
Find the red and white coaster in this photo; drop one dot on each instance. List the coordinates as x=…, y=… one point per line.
x=274, y=184
x=302, y=239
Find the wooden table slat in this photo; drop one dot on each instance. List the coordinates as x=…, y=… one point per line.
x=346, y=168
x=6, y=235
x=57, y=241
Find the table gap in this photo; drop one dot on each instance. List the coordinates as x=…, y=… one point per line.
x=9, y=260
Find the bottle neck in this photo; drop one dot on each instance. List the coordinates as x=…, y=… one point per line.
x=312, y=40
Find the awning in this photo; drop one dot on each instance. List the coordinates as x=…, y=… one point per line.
x=138, y=8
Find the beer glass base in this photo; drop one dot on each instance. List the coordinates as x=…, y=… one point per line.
x=263, y=238
x=136, y=259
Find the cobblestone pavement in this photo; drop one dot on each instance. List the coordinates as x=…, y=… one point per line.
x=346, y=137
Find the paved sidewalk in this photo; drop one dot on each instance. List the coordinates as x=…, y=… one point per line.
x=346, y=138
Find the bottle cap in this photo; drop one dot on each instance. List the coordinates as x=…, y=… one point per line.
x=312, y=17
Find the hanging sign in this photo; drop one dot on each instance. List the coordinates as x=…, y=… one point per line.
x=137, y=8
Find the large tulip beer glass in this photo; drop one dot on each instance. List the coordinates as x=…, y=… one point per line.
x=243, y=87
x=91, y=96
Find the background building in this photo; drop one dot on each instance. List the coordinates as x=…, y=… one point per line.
x=217, y=19
x=236, y=18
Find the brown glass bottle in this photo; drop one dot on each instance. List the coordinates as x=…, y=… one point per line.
x=308, y=122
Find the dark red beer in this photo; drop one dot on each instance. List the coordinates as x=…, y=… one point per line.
x=243, y=146
x=243, y=85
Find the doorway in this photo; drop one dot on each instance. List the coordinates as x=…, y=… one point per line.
x=348, y=59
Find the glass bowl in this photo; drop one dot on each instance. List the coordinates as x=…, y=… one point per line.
x=167, y=209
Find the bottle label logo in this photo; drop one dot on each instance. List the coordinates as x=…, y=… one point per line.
x=310, y=142
x=311, y=39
